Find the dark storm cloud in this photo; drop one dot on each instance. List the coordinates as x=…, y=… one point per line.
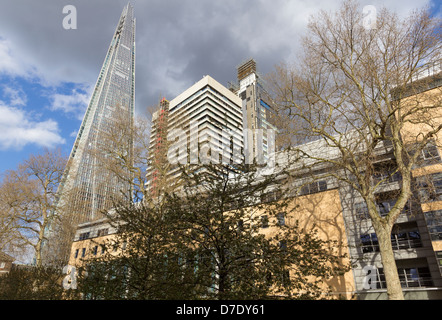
x=177, y=41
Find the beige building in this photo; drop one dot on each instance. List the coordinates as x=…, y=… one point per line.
x=426, y=92
x=90, y=239
x=5, y=263
x=321, y=210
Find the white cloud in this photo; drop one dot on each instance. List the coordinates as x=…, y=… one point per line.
x=10, y=65
x=18, y=130
x=17, y=97
x=74, y=103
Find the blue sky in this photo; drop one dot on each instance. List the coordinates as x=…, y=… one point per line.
x=34, y=117
x=47, y=72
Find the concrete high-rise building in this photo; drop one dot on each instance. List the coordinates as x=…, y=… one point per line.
x=221, y=125
x=204, y=124
x=259, y=134
x=111, y=101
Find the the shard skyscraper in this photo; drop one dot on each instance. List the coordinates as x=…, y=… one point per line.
x=90, y=186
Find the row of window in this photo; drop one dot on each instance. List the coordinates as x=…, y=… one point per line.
x=400, y=240
x=271, y=196
x=434, y=224
x=429, y=155
x=310, y=188
x=314, y=187
x=383, y=207
x=87, y=235
x=83, y=252
x=95, y=250
x=387, y=176
x=409, y=278
x=430, y=187
x=439, y=260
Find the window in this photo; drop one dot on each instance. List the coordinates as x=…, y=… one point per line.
x=409, y=277
x=387, y=176
x=84, y=236
x=281, y=218
x=434, y=224
x=385, y=206
x=439, y=260
x=76, y=253
x=415, y=277
x=95, y=250
x=428, y=156
x=83, y=252
x=430, y=152
x=283, y=245
x=239, y=226
x=102, y=232
x=406, y=240
x=399, y=240
x=361, y=210
x=271, y=196
x=314, y=187
x=369, y=243
x=286, y=277
x=430, y=187
x=264, y=221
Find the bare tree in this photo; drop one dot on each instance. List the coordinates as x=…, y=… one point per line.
x=27, y=199
x=11, y=202
x=354, y=89
x=129, y=157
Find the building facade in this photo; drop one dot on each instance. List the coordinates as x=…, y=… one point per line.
x=259, y=133
x=204, y=125
x=6, y=262
x=111, y=101
x=88, y=186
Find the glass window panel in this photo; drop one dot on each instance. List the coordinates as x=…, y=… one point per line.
x=402, y=235
x=281, y=218
x=414, y=235
x=430, y=152
x=264, y=221
x=437, y=184
x=314, y=187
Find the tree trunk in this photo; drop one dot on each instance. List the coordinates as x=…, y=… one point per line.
x=38, y=258
x=394, y=289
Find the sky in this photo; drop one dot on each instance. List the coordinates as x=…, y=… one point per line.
x=47, y=72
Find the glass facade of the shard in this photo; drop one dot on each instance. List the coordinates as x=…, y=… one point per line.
x=112, y=102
